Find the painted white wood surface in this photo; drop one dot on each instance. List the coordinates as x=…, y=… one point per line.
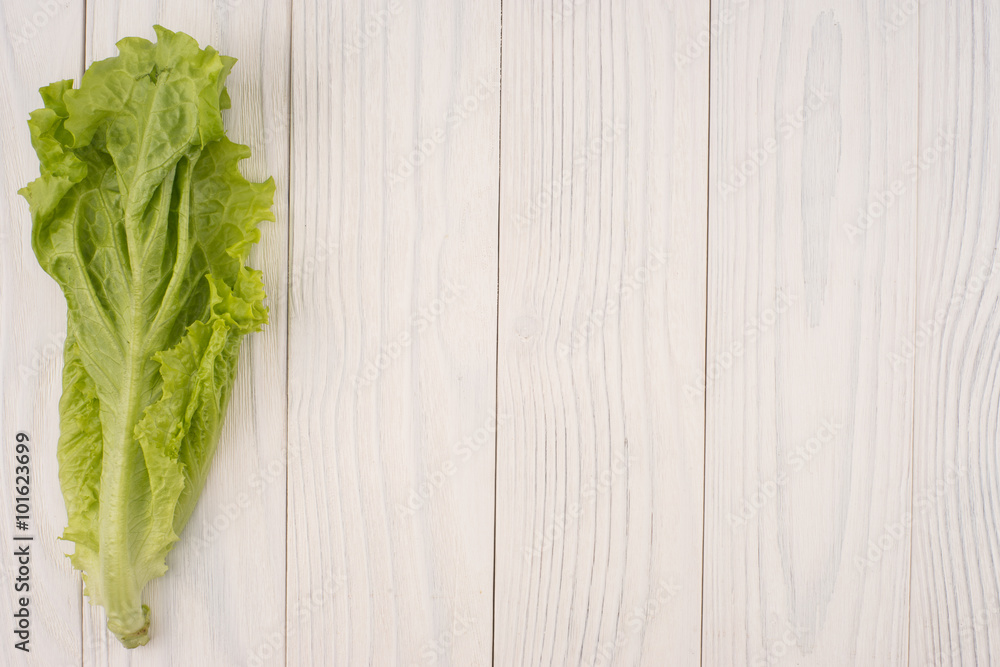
x=699, y=283
x=222, y=600
x=809, y=418
x=955, y=610
x=392, y=335
x=43, y=43
x=602, y=319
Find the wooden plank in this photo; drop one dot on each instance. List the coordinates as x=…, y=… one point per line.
x=955, y=613
x=811, y=290
x=223, y=600
x=601, y=327
x=392, y=336
x=43, y=43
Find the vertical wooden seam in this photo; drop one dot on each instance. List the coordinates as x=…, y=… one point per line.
x=704, y=397
x=496, y=345
x=913, y=366
x=288, y=283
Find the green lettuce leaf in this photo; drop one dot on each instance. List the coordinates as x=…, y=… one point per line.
x=144, y=220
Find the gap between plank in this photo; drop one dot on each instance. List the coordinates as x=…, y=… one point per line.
x=496, y=344
x=704, y=409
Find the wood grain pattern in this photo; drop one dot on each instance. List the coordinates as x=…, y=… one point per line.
x=222, y=600
x=955, y=611
x=662, y=408
x=602, y=316
x=811, y=290
x=392, y=337
x=43, y=43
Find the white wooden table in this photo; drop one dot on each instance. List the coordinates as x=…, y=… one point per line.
x=634, y=332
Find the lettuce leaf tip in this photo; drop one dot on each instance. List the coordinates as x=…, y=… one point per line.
x=144, y=220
